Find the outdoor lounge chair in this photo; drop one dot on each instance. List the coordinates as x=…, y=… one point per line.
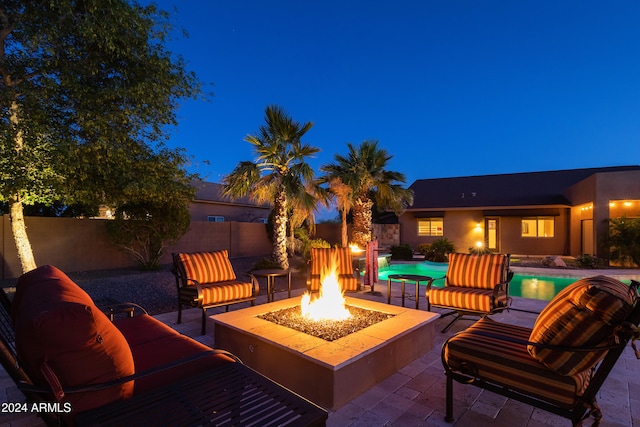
x=321, y=259
x=207, y=279
x=68, y=358
x=473, y=285
x=560, y=364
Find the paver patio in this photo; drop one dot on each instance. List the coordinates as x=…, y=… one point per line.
x=415, y=396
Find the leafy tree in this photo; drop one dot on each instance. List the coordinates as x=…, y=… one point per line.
x=624, y=240
x=84, y=85
x=144, y=230
x=279, y=174
x=155, y=213
x=364, y=171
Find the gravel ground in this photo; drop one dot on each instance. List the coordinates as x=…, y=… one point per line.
x=153, y=290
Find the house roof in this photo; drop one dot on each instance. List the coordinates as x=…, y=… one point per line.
x=212, y=192
x=505, y=190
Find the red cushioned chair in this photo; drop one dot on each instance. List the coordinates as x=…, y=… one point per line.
x=207, y=279
x=321, y=259
x=473, y=285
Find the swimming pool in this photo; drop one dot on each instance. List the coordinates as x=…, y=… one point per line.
x=526, y=286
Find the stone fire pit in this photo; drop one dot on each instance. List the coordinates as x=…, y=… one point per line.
x=329, y=373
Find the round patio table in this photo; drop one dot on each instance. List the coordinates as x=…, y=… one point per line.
x=403, y=278
x=271, y=277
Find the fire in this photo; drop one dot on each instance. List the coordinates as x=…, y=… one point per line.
x=330, y=304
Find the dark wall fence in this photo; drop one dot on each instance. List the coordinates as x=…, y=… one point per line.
x=83, y=244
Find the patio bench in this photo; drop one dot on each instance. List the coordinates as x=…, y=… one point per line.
x=558, y=365
x=207, y=279
x=64, y=352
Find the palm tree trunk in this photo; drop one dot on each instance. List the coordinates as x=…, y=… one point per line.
x=344, y=229
x=362, y=220
x=19, y=231
x=280, y=230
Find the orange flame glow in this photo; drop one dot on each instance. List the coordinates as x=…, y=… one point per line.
x=330, y=304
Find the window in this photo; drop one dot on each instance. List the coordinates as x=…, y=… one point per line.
x=430, y=227
x=215, y=218
x=542, y=226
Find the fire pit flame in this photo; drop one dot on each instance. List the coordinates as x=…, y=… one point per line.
x=330, y=304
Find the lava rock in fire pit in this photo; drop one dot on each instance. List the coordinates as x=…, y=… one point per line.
x=328, y=330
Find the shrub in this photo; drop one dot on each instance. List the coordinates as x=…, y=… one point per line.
x=438, y=250
x=403, y=252
x=587, y=261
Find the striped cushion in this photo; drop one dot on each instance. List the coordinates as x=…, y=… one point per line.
x=214, y=293
x=206, y=267
x=347, y=283
x=509, y=364
x=477, y=271
x=321, y=259
x=464, y=298
x=584, y=314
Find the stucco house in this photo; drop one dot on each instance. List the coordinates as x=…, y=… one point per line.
x=210, y=205
x=560, y=212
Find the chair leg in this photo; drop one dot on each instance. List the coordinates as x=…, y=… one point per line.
x=449, y=393
x=179, y=312
x=204, y=321
x=446, y=328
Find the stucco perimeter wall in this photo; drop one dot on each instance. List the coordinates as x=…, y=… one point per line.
x=83, y=244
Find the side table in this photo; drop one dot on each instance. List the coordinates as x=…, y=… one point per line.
x=271, y=277
x=403, y=278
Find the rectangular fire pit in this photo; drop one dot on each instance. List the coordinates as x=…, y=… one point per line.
x=329, y=374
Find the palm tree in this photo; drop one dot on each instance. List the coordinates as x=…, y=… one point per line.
x=343, y=195
x=279, y=173
x=363, y=170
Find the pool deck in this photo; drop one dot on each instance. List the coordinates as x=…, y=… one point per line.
x=414, y=395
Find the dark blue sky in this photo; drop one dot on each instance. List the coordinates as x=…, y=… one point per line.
x=448, y=87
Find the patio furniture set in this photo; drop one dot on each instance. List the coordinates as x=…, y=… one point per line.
x=59, y=347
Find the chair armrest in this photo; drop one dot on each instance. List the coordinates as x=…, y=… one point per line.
x=625, y=335
x=431, y=280
x=33, y=388
x=124, y=307
x=503, y=287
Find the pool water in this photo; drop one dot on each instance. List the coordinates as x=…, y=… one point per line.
x=534, y=287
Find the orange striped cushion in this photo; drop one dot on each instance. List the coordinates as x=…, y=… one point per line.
x=584, y=314
x=321, y=258
x=464, y=298
x=476, y=271
x=207, y=267
x=214, y=293
x=507, y=363
x=347, y=283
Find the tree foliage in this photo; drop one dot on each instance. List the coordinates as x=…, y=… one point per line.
x=624, y=240
x=364, y=170
x=280, y=175
x=87, y=91
x=144, y=230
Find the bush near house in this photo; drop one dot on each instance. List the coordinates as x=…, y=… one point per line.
x=401, y=252
x=437, y=251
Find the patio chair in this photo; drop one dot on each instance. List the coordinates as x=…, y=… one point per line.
x=207, y=279
x=321, y=259
x=560, y=364
x=474, y=285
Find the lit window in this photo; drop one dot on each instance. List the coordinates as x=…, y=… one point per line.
x=542, y=226
x=430, y=227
